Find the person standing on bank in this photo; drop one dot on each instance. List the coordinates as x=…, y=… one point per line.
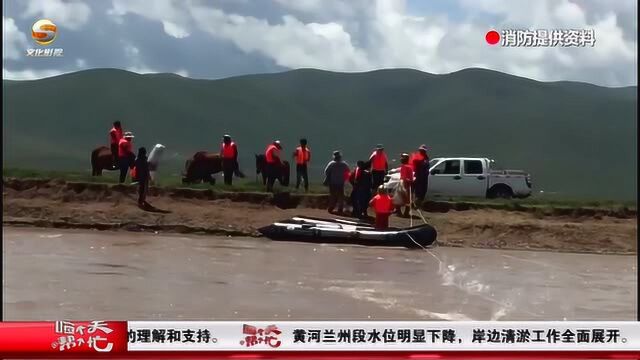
x=379, y=167
x=273, y=163
x=405, y=186
x=126, y=155
x=142, y=176
x=336, y=174
x=115, y=135
x=229, y=153
x=360, y=180
x=302, y=155
x=382, y=204
x=420, y=164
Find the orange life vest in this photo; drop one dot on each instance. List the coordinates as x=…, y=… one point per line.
x=124, y=148
x=115, y=135
x=229, y=151
x=302, y=155
x=272, y=154
x=379, y=161
x=406, y=173
x=415, y=157
x=382, y=204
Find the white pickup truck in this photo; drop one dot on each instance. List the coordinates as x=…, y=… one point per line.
x=470, y=177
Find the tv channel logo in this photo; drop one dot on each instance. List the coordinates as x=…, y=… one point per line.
x=44, y=32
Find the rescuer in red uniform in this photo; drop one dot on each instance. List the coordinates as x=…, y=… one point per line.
x=115, y=135
x=382, y=204
x=302, y=155
x=229, y=153
x=273, y=163
x=379, y=166
x=126, y=155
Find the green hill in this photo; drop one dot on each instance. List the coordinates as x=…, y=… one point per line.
x=576, y=139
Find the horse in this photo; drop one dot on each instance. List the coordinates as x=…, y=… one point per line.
x=202, y=166
x=101, y=159
x=284, y=171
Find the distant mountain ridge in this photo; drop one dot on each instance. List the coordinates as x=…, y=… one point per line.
x=576, y=139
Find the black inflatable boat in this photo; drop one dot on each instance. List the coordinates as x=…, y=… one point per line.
x=308, y=229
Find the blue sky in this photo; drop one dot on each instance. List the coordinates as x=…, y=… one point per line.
x=222, y=38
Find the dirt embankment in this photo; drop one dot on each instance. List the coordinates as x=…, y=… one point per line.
x=52, y=203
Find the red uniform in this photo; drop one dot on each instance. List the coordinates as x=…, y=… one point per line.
x=115, y=135
x=302, y=155
x=378, y=161
x=383, y=206
x=124, y=148
x=416, y=157
x=406, y=174
x=229, y=151
x=272, y=154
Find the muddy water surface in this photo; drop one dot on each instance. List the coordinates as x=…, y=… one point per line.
x=53, y=274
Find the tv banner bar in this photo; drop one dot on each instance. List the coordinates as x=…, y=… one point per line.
x=113, y=337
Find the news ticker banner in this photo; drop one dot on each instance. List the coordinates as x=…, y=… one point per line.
x=75, y=337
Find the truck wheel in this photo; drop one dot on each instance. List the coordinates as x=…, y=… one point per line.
x=500, y=192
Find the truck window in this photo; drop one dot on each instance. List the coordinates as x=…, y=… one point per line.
x=473, y=167
x=452, y=167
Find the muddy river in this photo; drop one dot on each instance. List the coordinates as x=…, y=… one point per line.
x=53, y=274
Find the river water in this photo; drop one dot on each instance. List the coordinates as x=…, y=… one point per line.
x=53, y=274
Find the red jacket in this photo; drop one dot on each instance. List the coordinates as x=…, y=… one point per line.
x=378, y=161
x=115, y=135
x=125, y=148
x=229, y=151
x=272, y=154
x=302, y=155
x=382, y=204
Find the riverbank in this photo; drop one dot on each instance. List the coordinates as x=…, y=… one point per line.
x=64, y=204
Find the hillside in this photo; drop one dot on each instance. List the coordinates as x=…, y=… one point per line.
x=577, y=139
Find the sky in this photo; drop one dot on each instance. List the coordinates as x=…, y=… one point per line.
x=212, y=39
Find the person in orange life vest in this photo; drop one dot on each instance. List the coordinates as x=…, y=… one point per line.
x=406, y=181
x=302, y=155
x=420, y=164
x=115, y=135
x=274, y=164
x=229, y=153
x=379, y=166
x=382, y=204
x=126, y=155
x=360, y=180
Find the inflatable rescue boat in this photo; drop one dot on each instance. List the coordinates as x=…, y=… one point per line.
x=338, y=231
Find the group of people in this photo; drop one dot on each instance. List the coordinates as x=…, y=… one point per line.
x=368, y=176
x=125, y=159
x=273, y=162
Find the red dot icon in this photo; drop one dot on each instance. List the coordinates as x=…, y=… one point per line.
x=492, y=37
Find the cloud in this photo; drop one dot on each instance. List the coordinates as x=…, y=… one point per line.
x=357, y=35
x=291, y=44
x=14, y=41
x=71, y=14
x=31, y=74
x=174, y=30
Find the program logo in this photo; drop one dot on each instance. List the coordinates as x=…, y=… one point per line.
x=44, y=32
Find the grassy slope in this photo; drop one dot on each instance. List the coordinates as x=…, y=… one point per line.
x=578, y=140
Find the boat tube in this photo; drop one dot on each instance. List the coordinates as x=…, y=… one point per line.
x=339, y=231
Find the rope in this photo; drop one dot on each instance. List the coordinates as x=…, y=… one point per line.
x=410, y=208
